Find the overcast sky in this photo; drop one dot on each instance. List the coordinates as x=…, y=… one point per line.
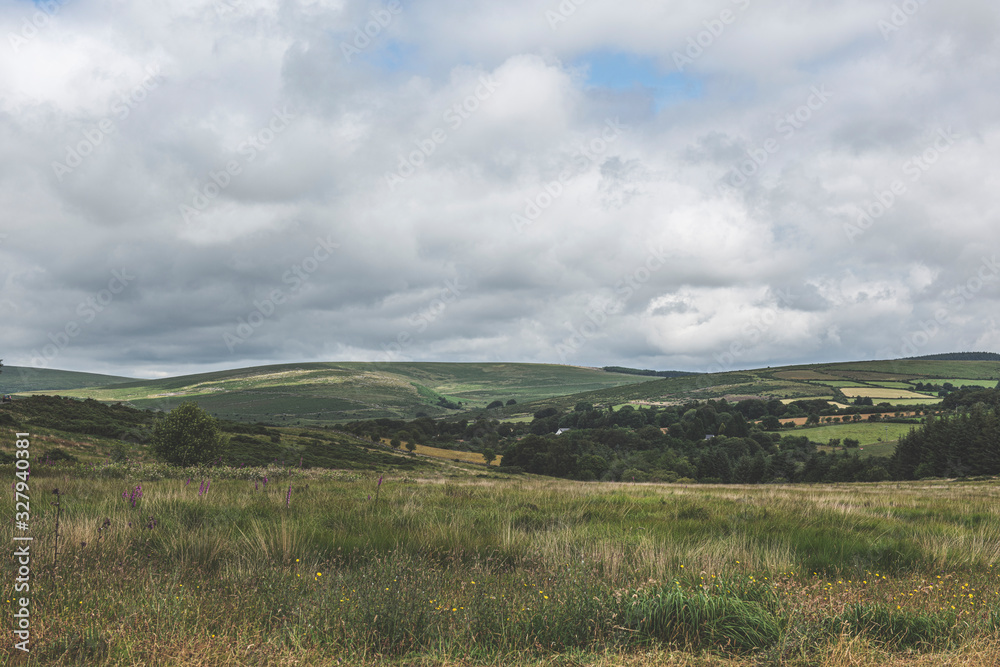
x=191, y=185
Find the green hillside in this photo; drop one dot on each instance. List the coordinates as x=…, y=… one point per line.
x=324, y=393
x=317, y=393
x=20, y=379
x=834, y=381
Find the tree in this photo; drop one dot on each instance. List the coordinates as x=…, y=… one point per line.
x=770, y=423
x=188, y=436
x=489, y=455
x=411, y=445
x=494, y=405
x=395, y=443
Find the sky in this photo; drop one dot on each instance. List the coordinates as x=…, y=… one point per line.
x=700, y=185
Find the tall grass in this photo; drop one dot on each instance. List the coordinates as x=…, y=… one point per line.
x=490, y=567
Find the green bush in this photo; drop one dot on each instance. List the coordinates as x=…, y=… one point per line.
x=188, y=436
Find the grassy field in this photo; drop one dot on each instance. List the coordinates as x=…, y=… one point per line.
x=864, y=433
x=914, y=368
x=961, y=382
x=898, y=385
x=481, y=568
x=907, y=402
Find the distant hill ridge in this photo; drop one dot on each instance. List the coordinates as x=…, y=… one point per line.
x=651, y=373
x=18, y=379
x=960, y=356
x=337, y=392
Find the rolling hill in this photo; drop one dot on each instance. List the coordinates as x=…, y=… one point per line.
x=20, y=379
x=337, y=392
x=883, y=381
x=322, y=393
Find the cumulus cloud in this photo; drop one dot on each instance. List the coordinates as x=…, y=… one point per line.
x=193, y=185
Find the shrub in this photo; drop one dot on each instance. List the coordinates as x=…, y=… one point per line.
x=56, y=454
x=188, y=436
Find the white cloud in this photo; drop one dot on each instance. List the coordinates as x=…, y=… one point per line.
x=526, y=120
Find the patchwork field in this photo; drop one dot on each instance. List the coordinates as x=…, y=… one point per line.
x=331, y=393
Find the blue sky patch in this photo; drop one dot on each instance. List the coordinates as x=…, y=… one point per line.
x=627, y=71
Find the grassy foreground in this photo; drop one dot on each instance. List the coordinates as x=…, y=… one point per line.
x=491, y=569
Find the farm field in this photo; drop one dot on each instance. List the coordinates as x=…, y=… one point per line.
x=960, y=382
x=448, y=454
x=908, y=402
x=865, y=433
x=882, y=378
x=893, y=385
x=464, y=568
x=913, y=368
x=881, y=392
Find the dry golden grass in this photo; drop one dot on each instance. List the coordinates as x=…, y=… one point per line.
x=880, y=392
x=449, y=454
